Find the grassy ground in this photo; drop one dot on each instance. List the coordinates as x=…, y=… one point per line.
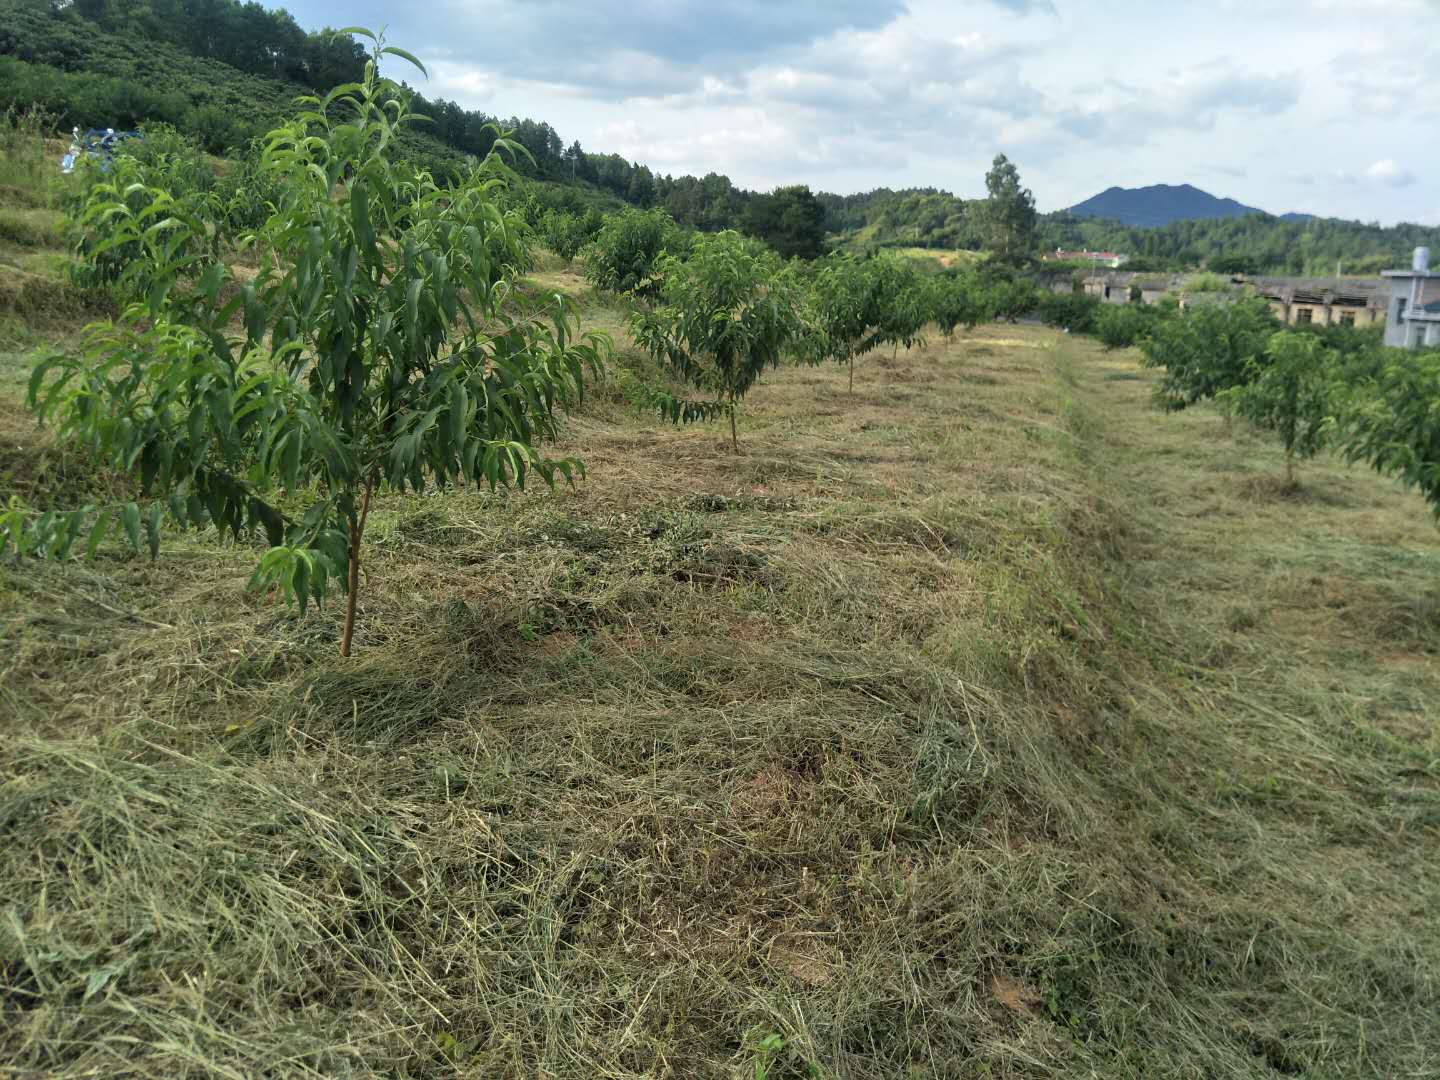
x=982, y=723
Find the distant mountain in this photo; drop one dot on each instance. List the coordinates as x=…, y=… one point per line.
x=1160, y=204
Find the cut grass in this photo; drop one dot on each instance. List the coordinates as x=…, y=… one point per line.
x=983, y=722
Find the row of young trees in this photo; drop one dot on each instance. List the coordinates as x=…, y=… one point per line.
x=1319, y=389
x=718, y=310
x=382, y=343
x=1316, y=388
x=791, y=221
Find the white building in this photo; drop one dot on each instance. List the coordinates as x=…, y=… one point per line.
x=1413, y=318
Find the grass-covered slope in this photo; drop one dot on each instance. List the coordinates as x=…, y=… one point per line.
x=80, y=76
x=984, y=722
x=86, y=77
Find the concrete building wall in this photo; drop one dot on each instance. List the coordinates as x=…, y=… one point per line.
x=1353, y=316
x=1294, y=301
x=1395, y=315
x=1109, y=289
x=1409, y=292
x=1328, y=313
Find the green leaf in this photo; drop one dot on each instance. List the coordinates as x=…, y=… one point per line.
x=300, y=579
x=360, y=215
x=130, y=519
x=74, y=523
x=97, y=534
x=391, y=50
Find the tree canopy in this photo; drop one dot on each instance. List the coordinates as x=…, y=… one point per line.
x=790, y=219
x=1007, y=217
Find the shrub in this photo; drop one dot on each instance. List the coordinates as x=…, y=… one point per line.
x=1208, y=349
x=840, y=311
x=856, y=306
x=1120, y=326
x=1391, y=422
x=27, y=173
x=1011, y=298
x=957, y=299
x=119, y=214
x=166, y=149
x=1207, y=283
x=901, y=302
x=626, y=251
x=1075, y=312
x=566, y=234
x=246, y=194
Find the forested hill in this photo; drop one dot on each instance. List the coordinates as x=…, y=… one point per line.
x=225, y=71
x=1158, y=204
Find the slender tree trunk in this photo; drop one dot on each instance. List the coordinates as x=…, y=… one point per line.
x=734, y=438
x=356, y=535
x=1289, y=467
x=852, y=374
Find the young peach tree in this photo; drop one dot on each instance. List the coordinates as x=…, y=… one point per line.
x=1392, y=421
x=727, y=313
x=1208, y=349
x=380, y=345
x=842, y=312
x=902, y=304
x=856, y=306
x=1290, y=390
x=957, y=299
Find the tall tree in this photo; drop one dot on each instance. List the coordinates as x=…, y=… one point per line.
x=791, y=221
x=1007, y=216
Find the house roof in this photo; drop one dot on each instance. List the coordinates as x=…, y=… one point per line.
x=1131, y=277
x=1348, y=292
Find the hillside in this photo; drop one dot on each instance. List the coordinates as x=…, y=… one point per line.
x=1158, y=205
x=80, y=77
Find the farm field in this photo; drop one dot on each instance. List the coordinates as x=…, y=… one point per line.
x=982, y=722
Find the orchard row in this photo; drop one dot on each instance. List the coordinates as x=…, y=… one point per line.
x=330, y=322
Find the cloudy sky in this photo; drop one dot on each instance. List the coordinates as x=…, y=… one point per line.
x=1326, y=106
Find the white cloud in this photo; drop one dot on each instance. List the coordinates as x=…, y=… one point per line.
x=1386, y=171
